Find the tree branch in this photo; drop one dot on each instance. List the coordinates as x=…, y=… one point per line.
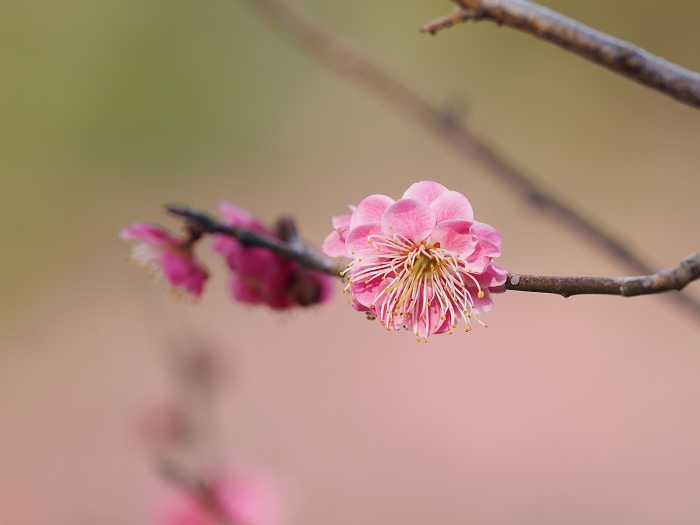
x=294, y=250
x=615, y=54
x=319, y=41
x=665, y=280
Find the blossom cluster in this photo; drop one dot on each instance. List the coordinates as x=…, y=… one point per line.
x=258, y=276
x=421, y=263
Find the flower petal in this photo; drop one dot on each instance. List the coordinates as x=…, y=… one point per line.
x=151, y=234
x=235, y=216
x=455, y=236
x=341, y=222
x=370, y=210
x=452, y=205
x=410, y=218
x=365, y=293
x=425, y=191
x=334, y=246
x=359, y=240
x=183, y=270
x=485, y=231
x=493, y=277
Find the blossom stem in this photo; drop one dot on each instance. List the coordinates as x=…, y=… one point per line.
x=663, y=281
x=615, y=54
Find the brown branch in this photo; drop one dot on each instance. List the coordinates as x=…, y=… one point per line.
x=294, y=250
x=665, y=280
x=319, y=41
x=615, y=54
x=674, y=279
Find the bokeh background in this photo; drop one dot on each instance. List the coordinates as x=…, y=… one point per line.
x=580, y=411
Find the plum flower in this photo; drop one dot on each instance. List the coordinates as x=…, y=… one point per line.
x=421, y=262
x=246, y=498
x=259, y=276
x=166, y=258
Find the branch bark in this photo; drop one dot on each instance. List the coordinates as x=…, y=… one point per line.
x=337, y=54
x=615, y=54
x=665, y=280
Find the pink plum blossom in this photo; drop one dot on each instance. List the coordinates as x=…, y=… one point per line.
x=246, y=498
x=260, y=276
x=421, y=262
x=166, y=258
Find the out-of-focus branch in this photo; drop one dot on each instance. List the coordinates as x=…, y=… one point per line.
x=674, y=279
x=320, y=42
x=293, y=250
x=615, y=54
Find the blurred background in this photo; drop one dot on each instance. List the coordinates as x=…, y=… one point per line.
x=580, y=411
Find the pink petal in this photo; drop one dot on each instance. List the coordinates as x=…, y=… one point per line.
x=359, y=240
x=425, y=191
x=483, y=305
x=411, y=218
x=183, y=270
x=341, y=222
x=235, y=216
x=370, y=210
x=151, y=234
x=455, y=236
x=481, y=229
x=452, y=205
x=493, y=276
x=366, y=293
x=334, y=245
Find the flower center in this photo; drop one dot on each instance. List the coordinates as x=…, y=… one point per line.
x=428, y=288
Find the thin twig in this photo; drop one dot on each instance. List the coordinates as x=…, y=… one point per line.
x=294, y=251
x=674, y=279
x=320, y=42
x=615, y=54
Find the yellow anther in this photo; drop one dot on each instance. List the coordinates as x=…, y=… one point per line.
x=480, y=295
x=352, y=253
x=360, y=260
x=450, y=332
x=442, y=318
x=425, y=340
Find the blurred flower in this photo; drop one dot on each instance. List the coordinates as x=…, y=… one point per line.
x=421, y=262
x=166, y=258
x=247, y=498
x=262, y=277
